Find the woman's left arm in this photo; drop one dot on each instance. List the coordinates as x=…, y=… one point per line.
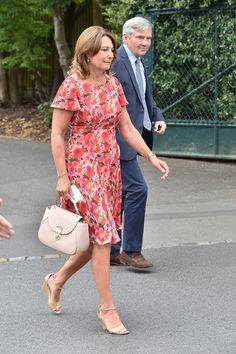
x=60, y=121
x=131, y=135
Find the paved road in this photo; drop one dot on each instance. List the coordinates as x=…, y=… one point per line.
x=186, y=304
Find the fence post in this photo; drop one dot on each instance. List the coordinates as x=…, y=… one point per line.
x=216, y=81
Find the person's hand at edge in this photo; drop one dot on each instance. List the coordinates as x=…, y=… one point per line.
x=6, y=228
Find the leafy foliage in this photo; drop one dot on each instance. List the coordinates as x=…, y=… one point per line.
x=23, y=34
x=193, y=48
x=46, y=110
x=26, y=38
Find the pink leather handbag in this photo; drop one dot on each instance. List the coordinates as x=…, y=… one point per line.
x=63, y=230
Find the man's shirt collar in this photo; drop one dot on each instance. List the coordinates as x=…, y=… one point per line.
x=131, y=56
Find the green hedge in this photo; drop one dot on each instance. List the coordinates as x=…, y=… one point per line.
x=193, y=47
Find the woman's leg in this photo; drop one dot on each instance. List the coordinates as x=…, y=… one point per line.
x=101, y=272
x=72, y=265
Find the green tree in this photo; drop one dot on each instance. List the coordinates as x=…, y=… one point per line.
x=64, y=14
x=117, y=11
x=23, y=45
x=27, y=29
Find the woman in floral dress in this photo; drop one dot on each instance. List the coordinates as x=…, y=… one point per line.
x=92, y=103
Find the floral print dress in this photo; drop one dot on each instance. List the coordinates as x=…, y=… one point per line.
x=92, y=153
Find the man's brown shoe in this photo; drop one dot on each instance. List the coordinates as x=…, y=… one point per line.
x=136, y=260
x=115, y=259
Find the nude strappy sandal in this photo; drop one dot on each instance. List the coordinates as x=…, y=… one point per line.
x=55, y=306
x=119, y=330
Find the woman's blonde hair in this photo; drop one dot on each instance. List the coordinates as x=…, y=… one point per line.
x=88, y=44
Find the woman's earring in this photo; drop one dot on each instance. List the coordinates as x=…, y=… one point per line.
x=88, y=60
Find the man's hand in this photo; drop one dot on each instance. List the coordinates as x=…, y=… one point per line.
x=160, y=127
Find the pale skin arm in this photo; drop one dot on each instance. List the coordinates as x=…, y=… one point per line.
x=135, y=140
x=6, y=228
x=60, y=121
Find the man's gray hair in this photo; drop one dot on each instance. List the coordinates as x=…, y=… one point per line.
x=139, y=24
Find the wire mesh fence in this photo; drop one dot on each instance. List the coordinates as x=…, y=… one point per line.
x=193, y=64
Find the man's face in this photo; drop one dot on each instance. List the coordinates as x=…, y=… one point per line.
x=139, y=42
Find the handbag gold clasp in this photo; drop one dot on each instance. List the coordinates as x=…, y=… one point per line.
x=57, y=233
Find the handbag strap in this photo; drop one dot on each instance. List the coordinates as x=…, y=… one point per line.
x=58, y=203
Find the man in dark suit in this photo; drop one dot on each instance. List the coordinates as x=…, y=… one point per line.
x=130, y=70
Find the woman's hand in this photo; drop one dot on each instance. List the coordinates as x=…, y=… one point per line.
x=63, y=186
x=160, y=165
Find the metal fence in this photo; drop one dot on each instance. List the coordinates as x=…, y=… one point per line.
x=192, y=64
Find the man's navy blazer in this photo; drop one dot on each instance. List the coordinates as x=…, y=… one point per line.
x=123, y=70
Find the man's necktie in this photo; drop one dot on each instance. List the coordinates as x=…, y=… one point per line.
x=146, y=121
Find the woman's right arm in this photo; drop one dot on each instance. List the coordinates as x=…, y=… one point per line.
x=60, y=121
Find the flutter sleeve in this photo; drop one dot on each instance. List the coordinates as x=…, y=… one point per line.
x=67, y=95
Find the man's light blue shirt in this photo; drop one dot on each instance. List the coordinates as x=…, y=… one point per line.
x=132, y=59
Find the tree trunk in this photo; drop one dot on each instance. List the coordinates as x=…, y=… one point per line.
x=97, y=15
x=60, y=39
x=57, y=76
x=69, y=21
x=4, y=94
x=14, y=89
x=40, y=87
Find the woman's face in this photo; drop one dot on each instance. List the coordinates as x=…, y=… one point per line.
x=103, y=59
